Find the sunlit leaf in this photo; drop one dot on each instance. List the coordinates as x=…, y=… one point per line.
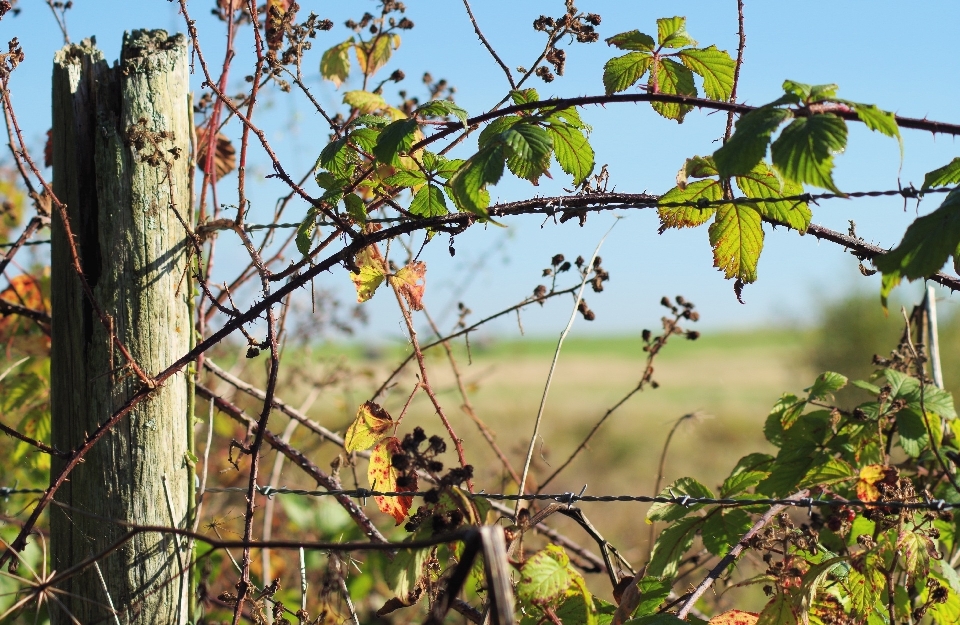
x=408, y=281
x=672, y=544
x=748, y=145
x=734, y=617
x=672, y=33
x=671, y=511
x=724, y=529
x=943, y=176
x=468, y=185
x=372, y=272
x=674, y=79
x=632, y=40
x=621, y=72
x=545, y=576
x=335, y=63
x=761, y=182
x=443, y=108
x=737, y=239
x=704, y=191
x=929, y=241
x=572, y=151
x=867, y=481
x=524, y=96
x=394, y=139
x=364, y=101
x=376, y=53
x=368, y=428
x=779, y=611
x=715, y=66
x=383, y=477
x=527, y=148
x=826, y=385
x=804, y=150
x=429, y=202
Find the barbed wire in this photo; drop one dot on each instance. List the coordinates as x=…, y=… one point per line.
x=571, y=498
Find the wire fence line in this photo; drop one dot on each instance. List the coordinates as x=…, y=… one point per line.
x=571, y=498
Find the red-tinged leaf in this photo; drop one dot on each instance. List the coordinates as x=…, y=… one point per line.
x=372, y=272
x=735, y=617
x=383, y=477
x=24, y=290
x=368, y=428
x=406, y=281
x=870, y=476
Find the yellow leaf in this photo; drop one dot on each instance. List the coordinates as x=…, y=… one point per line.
x=364, y=101
x=372, y=272
x=406, y=281
x=383, y=477
x=374, y=55
x=368, y=428
x=735, y=617
x=870, y=476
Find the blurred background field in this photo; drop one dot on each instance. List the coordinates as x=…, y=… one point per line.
x=728, y=381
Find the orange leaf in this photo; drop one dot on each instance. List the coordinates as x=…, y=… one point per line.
x=870, y=476
x=383, y=477
x=368, y=428
x=24, y=290
x=406, y=282
x=735, y=617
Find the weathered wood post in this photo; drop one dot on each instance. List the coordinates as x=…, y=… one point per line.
x=121, y=140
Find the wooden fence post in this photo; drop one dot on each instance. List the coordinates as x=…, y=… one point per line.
x=121, y=141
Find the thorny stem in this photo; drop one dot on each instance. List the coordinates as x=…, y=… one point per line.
x=732, y=556
x=553, y=365
x=486, y=44
x=736, y=70
x=425, y=382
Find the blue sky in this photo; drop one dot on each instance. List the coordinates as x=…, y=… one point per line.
x=887, y=53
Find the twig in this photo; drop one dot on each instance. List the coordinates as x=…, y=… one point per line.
x=659, y=480
x=732, y=556
x=486, y=44
x=553, y=366
x=933, y=337
x=736, y=70
x=106, y=591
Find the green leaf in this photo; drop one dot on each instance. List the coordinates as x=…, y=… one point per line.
x=336, y=157
x=737, y=239
x=395, y=138
x=697, y=167
x=798, y=89
x=577, y=608
x=364, y=101
x=877, y=120
x=621, y=72
x=708, y=190
x=447, y=168
x=672, y=544
x=572, y=151
x=528, y=149
x=724, y=529
x=305, y=232
x=943, y=176
x=762, y=182
x=753, y=462
x=545, y=576
x=783, y=415
x=632, y=40
x=793, y=463
x=926, y=246
x=818, y=93
x=917, y=549
x=429, y=202
x=365, y=138
x=494, y=130
x=672, y=33
x=804, y=150
x=780, y=611
x=468, y=185
x=524, y=96
x=715, y=66
x=443, y=108
x=675, y=79
x=913, y=433
x=335, y=63
x=356, y=207
x=748, y=145
x=406, y=178
x=741, y=482
x=830, y=472
x=653, y=592
x=865, y=588
x=826, y=385
x=671, y=511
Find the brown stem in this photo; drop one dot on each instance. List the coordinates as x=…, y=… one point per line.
x=736, y=70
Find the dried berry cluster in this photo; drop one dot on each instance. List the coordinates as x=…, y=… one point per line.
x=411, y=460
x=580, y=26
